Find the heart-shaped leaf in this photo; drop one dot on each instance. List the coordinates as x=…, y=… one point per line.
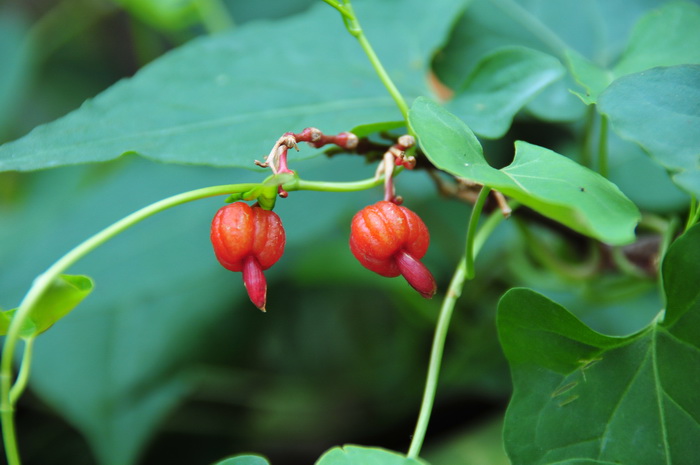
x=658, y=109
x=224, y=100
x=664, y=37
x=500, y=85
x=358, y=455
x=543, y=180
x=244, y=460
x=583, y=397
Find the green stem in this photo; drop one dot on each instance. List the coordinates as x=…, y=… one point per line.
x=586, y=157
x=9, y=438
x=214, y=15
x=471, y=231
x=667, y=237
x=693, y=213
x=25, y=367
x=547, y=258
x=454, y=291
x=353, y=26
x=302, y=185
x=426, y=408
x=343, y=11
x=603, y=147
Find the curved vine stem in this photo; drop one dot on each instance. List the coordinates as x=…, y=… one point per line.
x=471, y=231
x=474, y=243
x=25, y=367
x=352, y=24
x=9, y=394
x=693, y=213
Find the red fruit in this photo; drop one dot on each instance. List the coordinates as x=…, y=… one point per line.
x=390, y=240
x=248, y=239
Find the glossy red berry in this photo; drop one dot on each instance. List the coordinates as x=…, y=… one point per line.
x=248, y=239
x=390, y=240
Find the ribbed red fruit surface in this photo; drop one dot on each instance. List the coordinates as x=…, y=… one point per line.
x=390, y=240
x=248, y=239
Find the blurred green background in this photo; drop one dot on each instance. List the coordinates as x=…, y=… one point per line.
x=168, y=362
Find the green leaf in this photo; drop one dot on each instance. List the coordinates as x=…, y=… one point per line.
x=224, y=100
x=641, y=179
x=658, y=109
x=595, y=29
x=543, y=180
x=664, y=37
x=244, y=460
x=62, y=296
x=500, y=85
x=592, y=77
x=28, y=328
x=17, y=57
x=164, y=14
x=358, y=455
x=365, y=130
x=583, y=397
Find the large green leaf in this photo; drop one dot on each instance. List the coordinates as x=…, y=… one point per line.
x=664, y=37
x=583, y=397
x=596, y=29
x=62, y=296
x=16, y=55
x=224, y=100
x=244, y=460
x=543, y=180
x=358, y=455
x=500, y=85
x=659, y=110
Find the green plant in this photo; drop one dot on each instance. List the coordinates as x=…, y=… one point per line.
x=596, y=208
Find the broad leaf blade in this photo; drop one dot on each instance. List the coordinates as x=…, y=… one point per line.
x=592, y=77
x=543, y=180
x=28, y=328
x=244, y=460
x=500, y=85
x=17, y=58
x=224, y=100
x=658, y=109
x=357, y=455
x=664, y=37
x=65, y=293
x=582, y=397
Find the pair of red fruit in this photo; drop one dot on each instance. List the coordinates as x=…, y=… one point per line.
x=386, y=238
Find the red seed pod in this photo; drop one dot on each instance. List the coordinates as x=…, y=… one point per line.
x=390, y=240
x=248, y=239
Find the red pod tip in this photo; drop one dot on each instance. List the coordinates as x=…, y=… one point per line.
x=255, y=282
x=417, y=275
